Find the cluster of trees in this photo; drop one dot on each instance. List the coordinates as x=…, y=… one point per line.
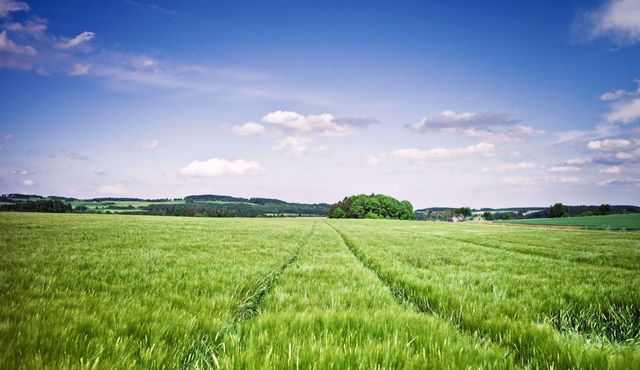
x=42, y=205
x=463, y=211
x=560, y=210
x=372, y=206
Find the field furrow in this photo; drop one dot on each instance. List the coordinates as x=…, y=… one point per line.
x=330, y=312
x=510, y=300
x=120, y=292
x=205, y=353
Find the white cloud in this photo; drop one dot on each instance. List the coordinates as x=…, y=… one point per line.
x=613, y=95
x=613, y=170
x=508, y=167
x=373, y=160
x=294, y=146
x=619, y=182
x=220, y=167
x=8, y=6
x=10, y=47
x=100, y=171
x=564, y=169
x=8, y=136
x=616, y=20
x=113, y=189
x=249, y=128
x=34, y=27
x=599, y=131
x=608, y=144
x=318, y=124
x=28, y=183
x=483, y=149
x=625, y=112
x=82, y=38
x=79, y=69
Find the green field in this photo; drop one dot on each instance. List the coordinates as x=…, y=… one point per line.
x=112, y=291
x=629, y=221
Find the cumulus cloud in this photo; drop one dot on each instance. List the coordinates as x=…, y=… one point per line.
x=613, y=170
x=214, y=167
x=293, y=146
x=28, y=183
x=508, y=167
x=482, y=149
x=294, y=132
x=315, y=124
x=100, y=171
x=113, y=189
x=82, y=38
x=616, y=20
x=8, y=6
x=249, y=128
x=9, y=46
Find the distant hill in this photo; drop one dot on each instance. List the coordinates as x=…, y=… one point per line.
x=523, y=212
x=206, y=205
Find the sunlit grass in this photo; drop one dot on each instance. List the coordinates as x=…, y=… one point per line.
x=111, y=291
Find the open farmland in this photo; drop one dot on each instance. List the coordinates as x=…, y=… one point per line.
x=112, y=291
x=628, y=221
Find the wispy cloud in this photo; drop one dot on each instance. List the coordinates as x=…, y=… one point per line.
x=80, y=39
x=486, y=126
x=145, y=145
x=480, y=149
x=509, y=167
x=9, y=6
x=617, y=21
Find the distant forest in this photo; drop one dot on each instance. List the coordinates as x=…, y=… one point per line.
x=357, y=206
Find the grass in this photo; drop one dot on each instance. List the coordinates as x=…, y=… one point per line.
x=628, y=221
x=110, y=291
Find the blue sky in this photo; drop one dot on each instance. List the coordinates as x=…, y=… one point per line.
x=494, y=103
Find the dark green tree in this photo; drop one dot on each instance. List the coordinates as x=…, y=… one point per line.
x=558, y=210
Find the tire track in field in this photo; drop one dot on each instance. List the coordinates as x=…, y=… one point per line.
x=206, y=351
x=532, y=253
x=421, y=304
